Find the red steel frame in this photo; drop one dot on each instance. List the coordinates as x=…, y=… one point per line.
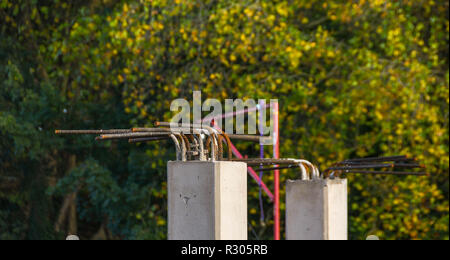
x=276, y=154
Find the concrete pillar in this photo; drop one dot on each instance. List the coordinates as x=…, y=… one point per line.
x=207, y=200
x=316, y=209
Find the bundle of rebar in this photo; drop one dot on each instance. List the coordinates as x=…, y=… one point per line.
x=390, y=165
x=202, y=142
x=188, y=138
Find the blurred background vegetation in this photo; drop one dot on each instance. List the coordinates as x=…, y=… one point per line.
x=354, y=78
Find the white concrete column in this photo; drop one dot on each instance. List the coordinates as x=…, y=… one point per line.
x=316, y=209
x=207, y=200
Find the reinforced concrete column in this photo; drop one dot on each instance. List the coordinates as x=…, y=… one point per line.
x=316, y=209
x=207, y=200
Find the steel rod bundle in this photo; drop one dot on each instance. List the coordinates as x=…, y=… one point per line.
x=386, y=165
x=192, y=142
x=197, y=141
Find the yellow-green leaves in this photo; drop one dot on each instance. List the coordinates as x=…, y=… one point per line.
x=354, y=78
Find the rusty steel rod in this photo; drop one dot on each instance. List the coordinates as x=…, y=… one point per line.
x=279, y=168
x=386, y=172
x=250, y=138
x=399, y=164
x=370, y=166
x=143, y=129
x=148, y=139
x=217, y=149
x=269, y=161
x=382, y=159
x=394, y=165
x=412, y=165
x=130, y=135
x=227, y=141
x=175, y=126
x=360, y=167
x=257, y=160
x=215, y=140
x=92, y=132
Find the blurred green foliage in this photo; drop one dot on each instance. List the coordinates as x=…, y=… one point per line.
x=354, y=79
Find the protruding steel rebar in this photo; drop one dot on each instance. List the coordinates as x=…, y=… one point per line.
x=183, y=146
x=130, y=135
x=397, y=164
x=192, y=147
x=386, y=172
x=177, y=146
x=183, y=136
x=369, y=166
x=228, y=142
x=279, y=168
x=92, y=132
x=148, y=139
x=308, y=170
x=211, y=131
x=268, y=161
x=383, y=159
x=365, y=165
x=352, y=171
x=198, y=136
x=304, y=175
x=250, y=138
x=137, y=135
x=178, y=127
x=147, y=129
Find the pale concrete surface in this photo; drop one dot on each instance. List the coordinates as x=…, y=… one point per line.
x=316, y=210
x=207, y=200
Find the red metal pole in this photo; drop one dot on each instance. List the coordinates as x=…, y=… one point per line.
x=276, y=155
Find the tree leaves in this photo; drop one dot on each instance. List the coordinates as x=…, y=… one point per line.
x=353, y=80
